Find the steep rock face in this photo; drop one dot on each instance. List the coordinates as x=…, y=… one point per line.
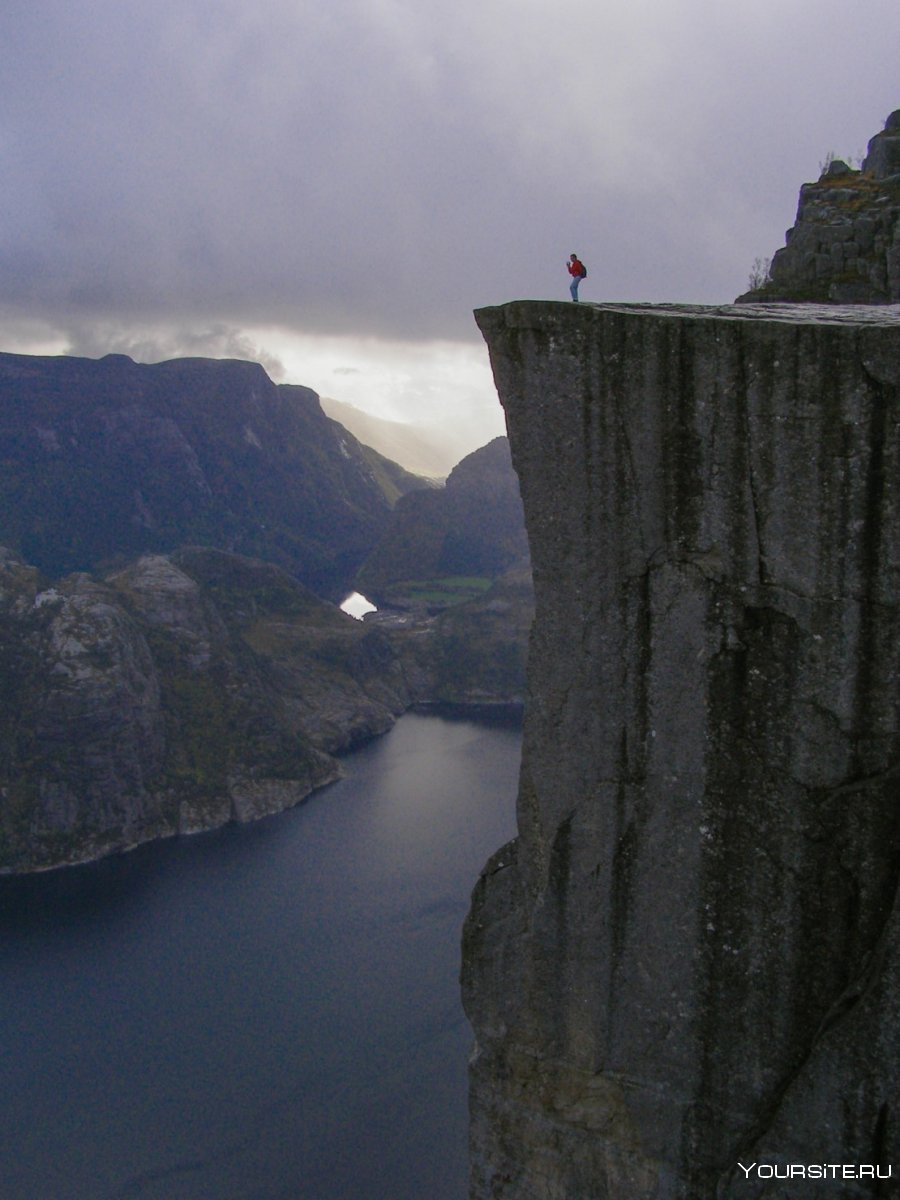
x=108, y=459
x=81, y=727
x=689, y=957
x=844, y=247
x=178, y=694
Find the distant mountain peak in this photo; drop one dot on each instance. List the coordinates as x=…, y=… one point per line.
x=106, y=459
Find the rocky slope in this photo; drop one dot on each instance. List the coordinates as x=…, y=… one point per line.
x=177, y=694
x=690, y=956
x=845, y=245
x=184, y=691
x=105, y=460
x=474, y=653
x=471, y=527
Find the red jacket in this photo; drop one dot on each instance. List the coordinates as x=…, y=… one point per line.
x=576, y=267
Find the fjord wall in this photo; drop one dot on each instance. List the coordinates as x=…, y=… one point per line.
x=689, y=958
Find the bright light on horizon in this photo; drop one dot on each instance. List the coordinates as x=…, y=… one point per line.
x=419, y=383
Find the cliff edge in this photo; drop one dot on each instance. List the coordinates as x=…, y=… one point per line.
x=689, y=958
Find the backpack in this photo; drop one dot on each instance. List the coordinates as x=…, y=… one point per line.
x=583, y=271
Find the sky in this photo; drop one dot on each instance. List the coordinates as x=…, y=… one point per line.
x=332, y=188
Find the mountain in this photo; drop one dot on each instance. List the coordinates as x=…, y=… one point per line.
x=107, y=459
x=844, y=247
x=472, y=527
x=184, y=691
x=175, y=694
x=153, y=680
x=478, y=650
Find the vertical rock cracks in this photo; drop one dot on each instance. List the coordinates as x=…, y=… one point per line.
x=689, y=956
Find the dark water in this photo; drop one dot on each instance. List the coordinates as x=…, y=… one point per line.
x=264, y=1013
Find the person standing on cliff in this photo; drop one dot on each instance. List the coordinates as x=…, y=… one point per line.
x=578, y=271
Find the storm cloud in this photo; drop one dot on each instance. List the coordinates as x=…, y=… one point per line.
x=378, y=168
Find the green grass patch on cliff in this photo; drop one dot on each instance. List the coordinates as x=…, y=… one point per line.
x=444, y=592
x=855, y=192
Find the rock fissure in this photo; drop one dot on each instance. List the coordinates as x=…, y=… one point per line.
x=741, y=382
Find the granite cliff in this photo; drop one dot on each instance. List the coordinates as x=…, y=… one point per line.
x=844, y=247
x=690, y=955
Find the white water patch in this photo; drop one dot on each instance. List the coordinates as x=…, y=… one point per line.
x=357, y=605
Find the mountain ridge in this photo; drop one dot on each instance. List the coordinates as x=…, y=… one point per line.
x=106, y=459
x=472, y=526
